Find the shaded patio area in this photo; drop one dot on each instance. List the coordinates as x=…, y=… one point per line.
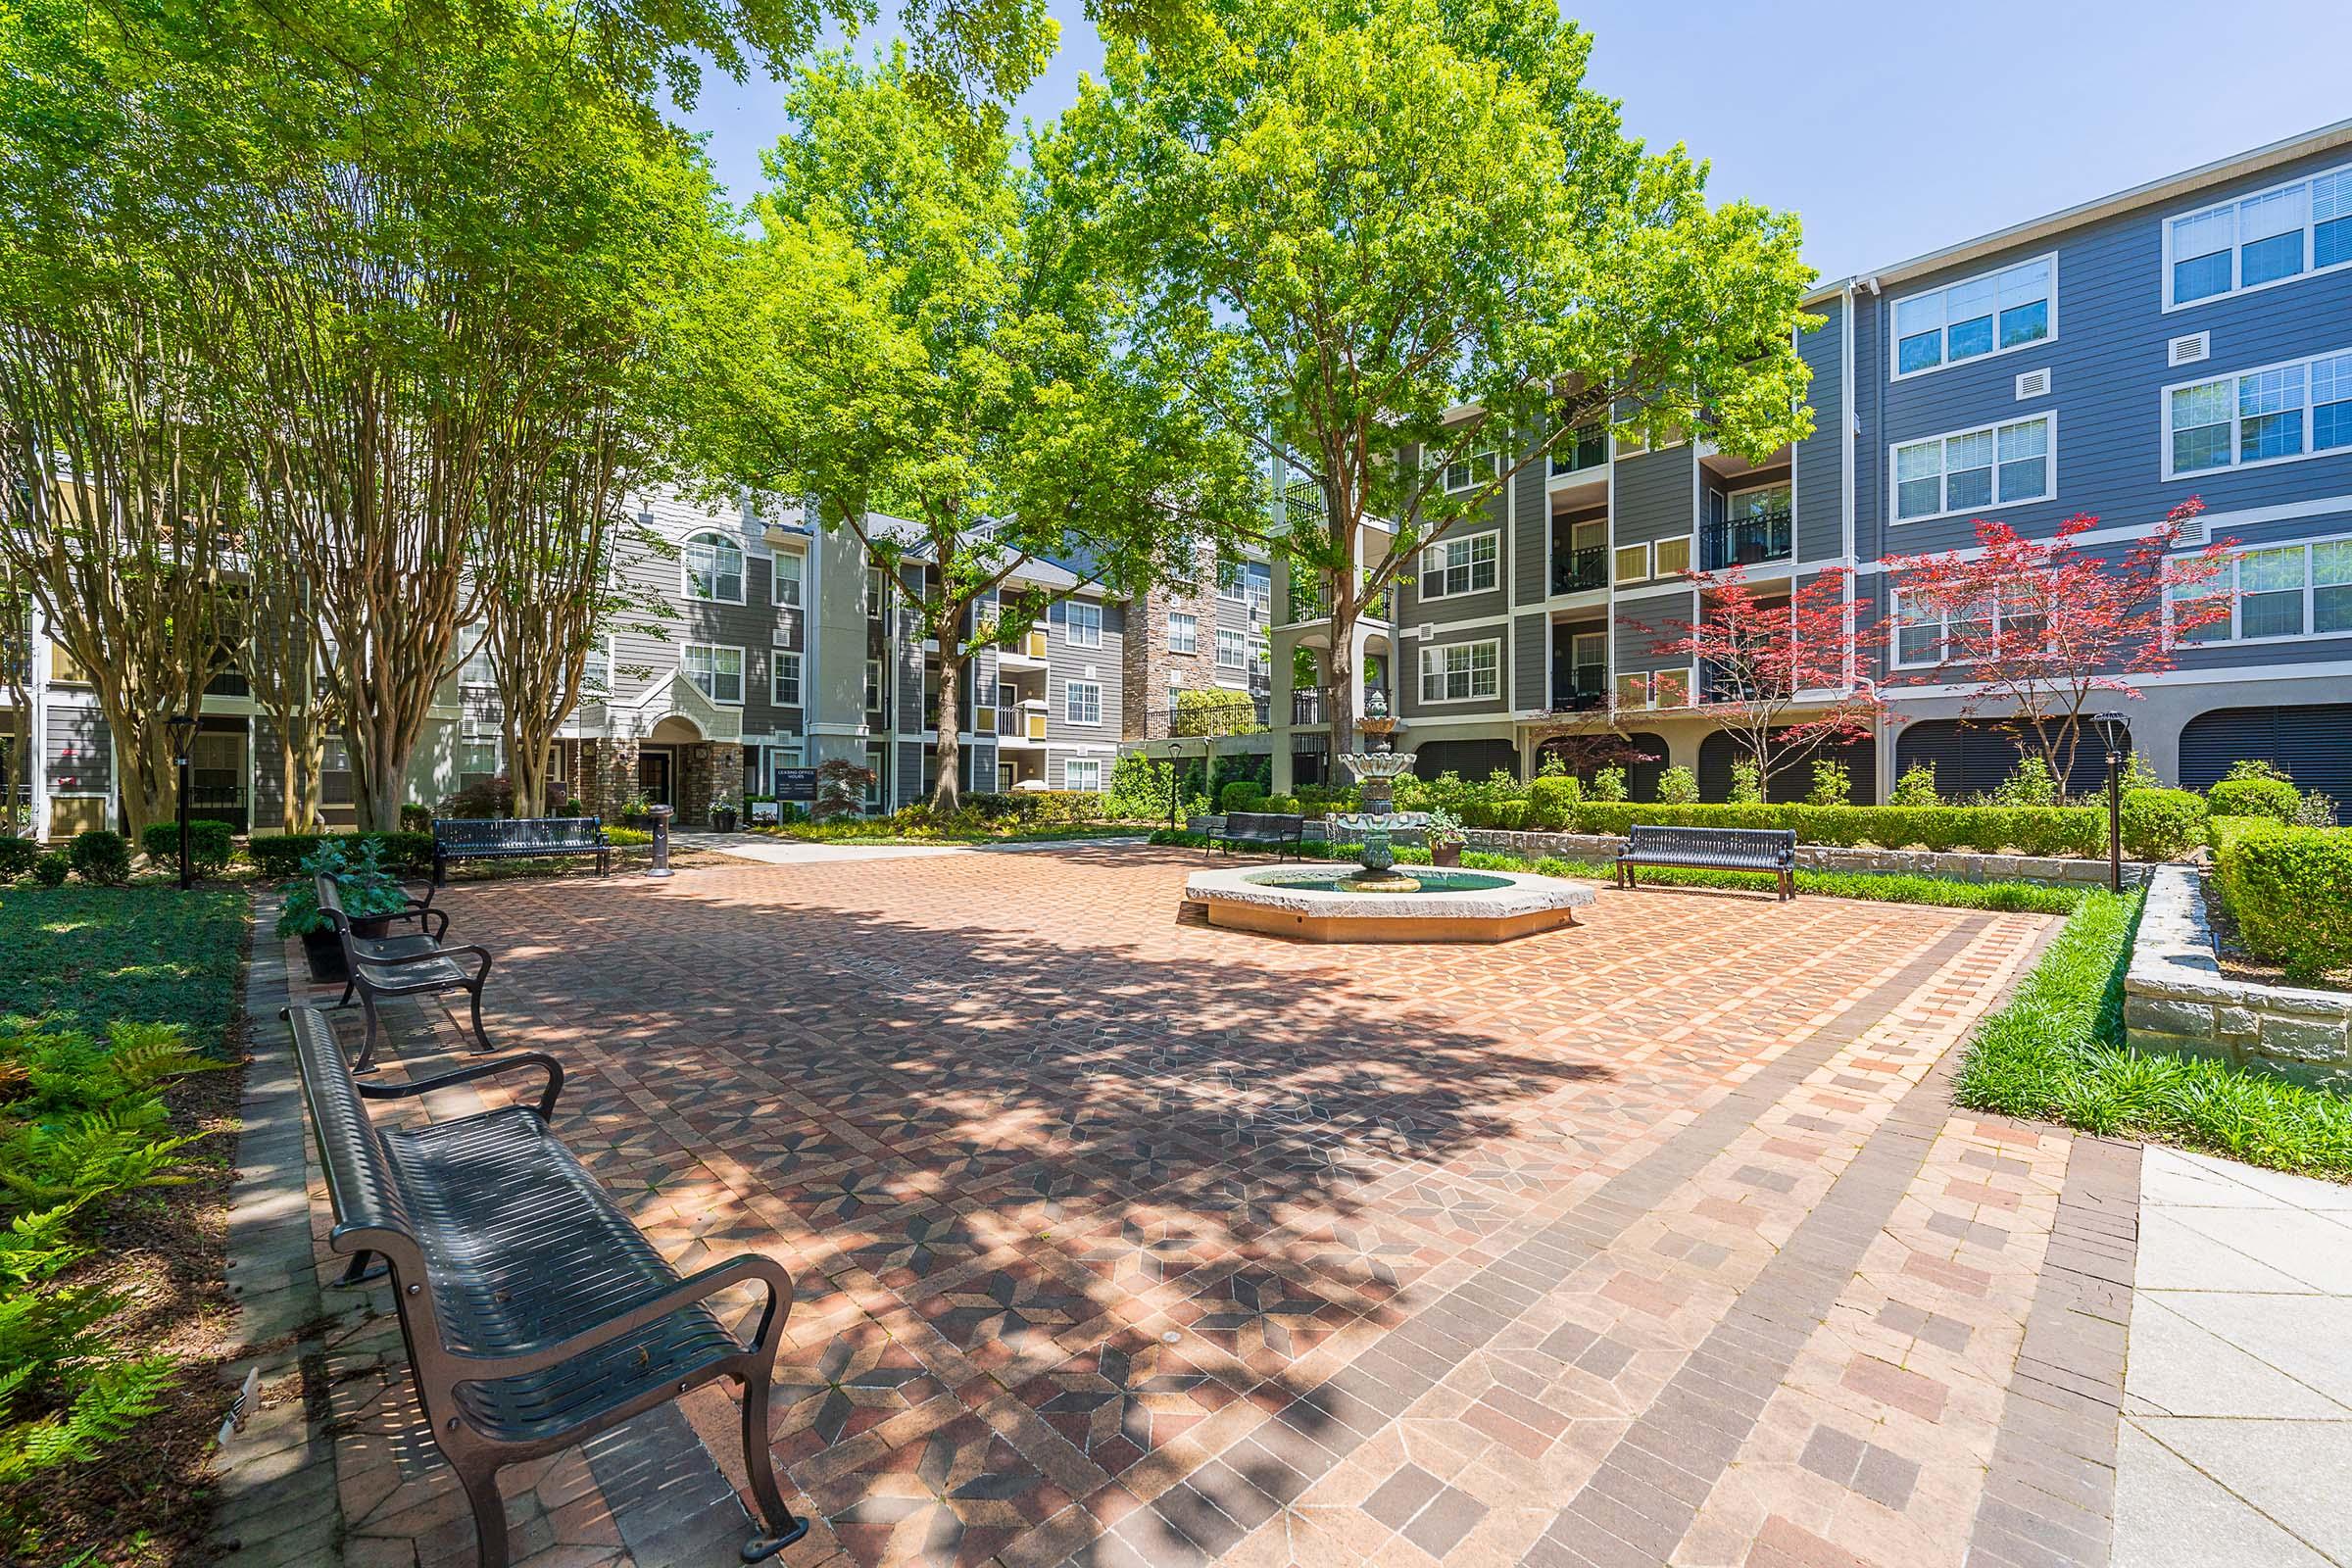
x=1120, y=1239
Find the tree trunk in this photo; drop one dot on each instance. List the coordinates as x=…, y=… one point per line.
x=945, y=796
x=526, y=772
x=20, y=770
x=1338, y=680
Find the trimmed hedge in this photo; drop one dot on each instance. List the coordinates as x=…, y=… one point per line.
x=210, y=846
x=2162, y=824
x=2274, y=797
x=17, y=857
x=2034, y=830
x=100, y=857
x=1042, y=808
x=2290, y=889
x=281, y=855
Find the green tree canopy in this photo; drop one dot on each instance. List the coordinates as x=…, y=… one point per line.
x=1385, y=235
x=914, y=337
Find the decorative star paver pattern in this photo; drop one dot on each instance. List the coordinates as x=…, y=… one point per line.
x=1119, y=1239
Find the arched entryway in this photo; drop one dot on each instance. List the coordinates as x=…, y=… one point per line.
x=1792, y=778
x=1977, y=759
x=2311, y=743
x=1641, y=755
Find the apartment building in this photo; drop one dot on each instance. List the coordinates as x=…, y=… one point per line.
x=775, y=645
x=1199, y=659
x=2189, y=337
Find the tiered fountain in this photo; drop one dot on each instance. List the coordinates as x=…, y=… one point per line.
x=1378, y=902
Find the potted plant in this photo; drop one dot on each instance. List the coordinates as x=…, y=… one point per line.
x=636, y=811
x=722, y=816
x=1444, y=830
x=370, y=895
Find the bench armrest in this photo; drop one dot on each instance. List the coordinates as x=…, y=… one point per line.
x=748, y=1269
x=473, y=949
x=480, y=1069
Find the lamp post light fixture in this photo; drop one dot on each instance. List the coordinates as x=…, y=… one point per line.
x=2113, y=732
x=183, y=735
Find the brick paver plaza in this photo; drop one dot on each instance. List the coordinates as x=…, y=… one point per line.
x=1123, y=1240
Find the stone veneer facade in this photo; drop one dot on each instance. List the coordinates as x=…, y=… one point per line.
x=1147, y=661
x=2176, y=999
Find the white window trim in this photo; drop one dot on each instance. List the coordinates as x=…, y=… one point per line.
x=1492, y=457
x=2238, y=246
x=1193, y=622
x=1073, y=686
x=1658, y=573
x=743, y=569
x=879, y=669
x=1895, y=518
x=1239, y=642
x=1649, y=558
x=2310, y=414
x=1894, y=341
x=743, y=668
x=1069, y=624
x=1422, y=575
x=1440, y=651
x=2237, y=599
x=775, y=678
x=1094, y=763
x=799, y=579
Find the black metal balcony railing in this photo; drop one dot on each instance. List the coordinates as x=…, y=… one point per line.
x=1579, y=689
x=1232, y=714
x=1309, y=705
x=228, y=683
x=1716, y=684
x=1747, y=541
x=1586, y=447
x=1575, y=570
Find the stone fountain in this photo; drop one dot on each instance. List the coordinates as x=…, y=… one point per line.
x=1377, y=769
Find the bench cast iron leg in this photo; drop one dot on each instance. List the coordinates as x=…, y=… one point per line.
x=478, y=1032
x=366, y=1061
x=760, y=1465
x=489, y=1515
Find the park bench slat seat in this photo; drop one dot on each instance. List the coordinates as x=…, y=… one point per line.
x=458, y=839
x=535, y=1312
x=412, y=965
x=1267, y=830
x=1713, y=849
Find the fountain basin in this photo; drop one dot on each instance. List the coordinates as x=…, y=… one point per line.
x=1451, y=906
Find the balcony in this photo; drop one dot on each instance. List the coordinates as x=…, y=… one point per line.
x=1574, y=571
x=1311, y=706
x=228, y=683
x=1219, y=713
x=1301, y=600
x=1716, y=684
x=1747, y=541
x=1579, y=689
x=1581, y=449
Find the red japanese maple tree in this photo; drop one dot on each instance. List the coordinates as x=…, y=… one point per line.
x=1784, y=676
x=2040, y=630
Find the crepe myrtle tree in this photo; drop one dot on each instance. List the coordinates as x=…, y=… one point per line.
x=1403, y=249
x=915, y=345
x=2039, y=632
x=1784, y=671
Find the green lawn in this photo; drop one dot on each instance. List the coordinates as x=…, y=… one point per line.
x=2056, y=1053
x=81, y=957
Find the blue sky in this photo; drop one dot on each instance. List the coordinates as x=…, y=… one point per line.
x=1891, y=129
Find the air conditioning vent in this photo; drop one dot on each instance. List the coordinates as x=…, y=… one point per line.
x=2191, y=349
x=2033, y=384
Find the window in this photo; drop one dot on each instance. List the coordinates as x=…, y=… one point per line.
x=874, y=689
x=596, y=674
x=786, y=690
x=1927, y=634
x=1673, y=556
x=1633, y=563
x=1229, y=582
x=478, y=669
x=1633, y=689
x=1261, y=657
x=877, y=592
x=1082, y=775
x=2280, y=591
x=2269, y=237
x=714, y=569
x=1184, y=634
x=1972, y=471
x=788, y=580
x=1082, y=702
x=1231, y=650
x=1084, y=627
x=1465, y=474
x=1461, y=672
x=1470, y=565
x=717, y=672
x=877, y=763
x=2262, y=416
x=477, y=759
x=1978, y=315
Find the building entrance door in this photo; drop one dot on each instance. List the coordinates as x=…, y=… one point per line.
x=653, y=778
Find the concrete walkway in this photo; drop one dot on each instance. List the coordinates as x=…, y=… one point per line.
x=2237, y=1414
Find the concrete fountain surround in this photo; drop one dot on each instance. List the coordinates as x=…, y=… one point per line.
x=1526, y=906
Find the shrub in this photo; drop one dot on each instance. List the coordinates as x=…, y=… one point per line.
x=1833, y=783
x=484, y=799
x=2032, y=784
x=1678, y=786
x=2315, y=809
x=415, y=818
x=50, y=869
x=1241, y=795
x=2274, y=797
x=1139, y=788
x=1510, y=815
x=279, y=856
x=1551, y=801
x=2290, y=889
x=1608, y=784
x=1748, y=787
x=17, y=857
x=100, y=855
x=1917, y=787
x=574, y=805
x=2137, y=774
x=627, y=838
x=211, y=845
x=2258, y=768
x=2162, y=824
x=362, y=881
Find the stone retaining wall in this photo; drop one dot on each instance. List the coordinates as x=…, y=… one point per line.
x=2176, y=999
x=1954, y=867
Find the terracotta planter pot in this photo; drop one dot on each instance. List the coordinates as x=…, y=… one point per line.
x=1445, y=853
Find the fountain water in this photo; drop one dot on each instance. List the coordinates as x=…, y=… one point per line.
x=1377, y=771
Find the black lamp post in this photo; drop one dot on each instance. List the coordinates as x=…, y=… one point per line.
x=1175, y=780
x=2113, y=733
x=183, y=734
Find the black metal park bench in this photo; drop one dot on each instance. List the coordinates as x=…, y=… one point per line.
x=531, y=838
x=535, y=1313
x=419, y=964
x=1712, y=849
x=1258, y=830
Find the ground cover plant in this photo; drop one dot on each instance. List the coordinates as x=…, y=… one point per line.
x=118, y=1093
x=2056, y=1052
